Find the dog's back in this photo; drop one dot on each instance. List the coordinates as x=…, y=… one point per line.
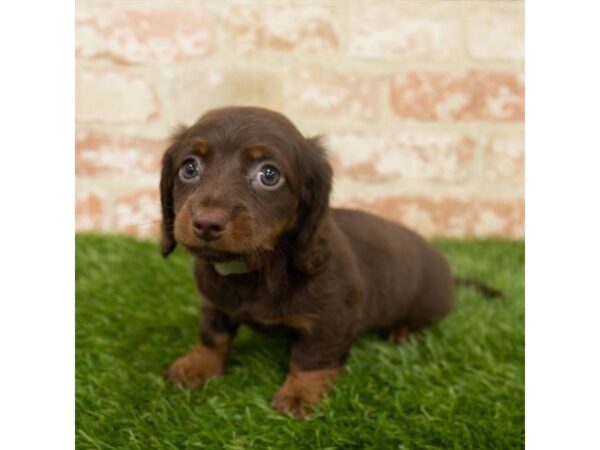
x=407, y=281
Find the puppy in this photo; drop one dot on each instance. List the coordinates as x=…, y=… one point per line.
x=248, y=197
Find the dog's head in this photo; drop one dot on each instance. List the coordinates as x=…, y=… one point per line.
x=238, y=182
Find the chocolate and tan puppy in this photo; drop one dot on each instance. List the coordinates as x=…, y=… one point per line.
x=248, y=196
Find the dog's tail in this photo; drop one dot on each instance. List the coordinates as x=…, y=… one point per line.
x=486, y=290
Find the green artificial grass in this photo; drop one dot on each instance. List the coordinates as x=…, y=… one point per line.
x=459, y=386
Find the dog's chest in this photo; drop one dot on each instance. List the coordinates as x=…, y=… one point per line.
x=255, y=305
x=262, y=316
x=262, y=313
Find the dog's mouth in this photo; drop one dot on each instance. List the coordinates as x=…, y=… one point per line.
x=214, y=256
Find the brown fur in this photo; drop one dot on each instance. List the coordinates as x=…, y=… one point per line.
x=398, y=335
x=303, y=324
x=302, y=390
x=323, y=275
x=201, y=148
x=256, y=152
x=201, y=363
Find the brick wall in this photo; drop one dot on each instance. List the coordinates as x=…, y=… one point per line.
x=421, y=102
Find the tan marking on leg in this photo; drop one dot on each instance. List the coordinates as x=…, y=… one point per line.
x=399, y=335
x=302, y=390
x=200, y=363
x=302, y=323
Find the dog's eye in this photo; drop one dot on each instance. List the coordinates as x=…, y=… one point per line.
x=269, y=177
x=190, y=169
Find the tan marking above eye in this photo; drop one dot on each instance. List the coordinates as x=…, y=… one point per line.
x=201, y=147
x=256, y=152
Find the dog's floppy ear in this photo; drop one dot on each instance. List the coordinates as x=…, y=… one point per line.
x=167, y=177
x=311, y=247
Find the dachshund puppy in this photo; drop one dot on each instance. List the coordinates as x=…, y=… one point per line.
x=248, y=197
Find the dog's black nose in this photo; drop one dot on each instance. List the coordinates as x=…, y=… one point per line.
x=209, y=224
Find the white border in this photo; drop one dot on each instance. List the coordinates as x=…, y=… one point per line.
x=562, y=225
x=37, y=202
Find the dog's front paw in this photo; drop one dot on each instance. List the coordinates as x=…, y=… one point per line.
x=295, y=404
x=196, y=366
x=302, y=390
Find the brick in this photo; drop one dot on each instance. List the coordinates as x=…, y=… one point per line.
x=98, y=154
x=186, y=94
x=143, y=34
x=496, y=31
x=395, y=30
x=446, y=156
x=138, y=213
x=256, y=88
x=306, y=27
x=113, y=97
x=90, y=210
x=449, y=217
x=505, y=157
x=314, y=91
x=464, y=95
